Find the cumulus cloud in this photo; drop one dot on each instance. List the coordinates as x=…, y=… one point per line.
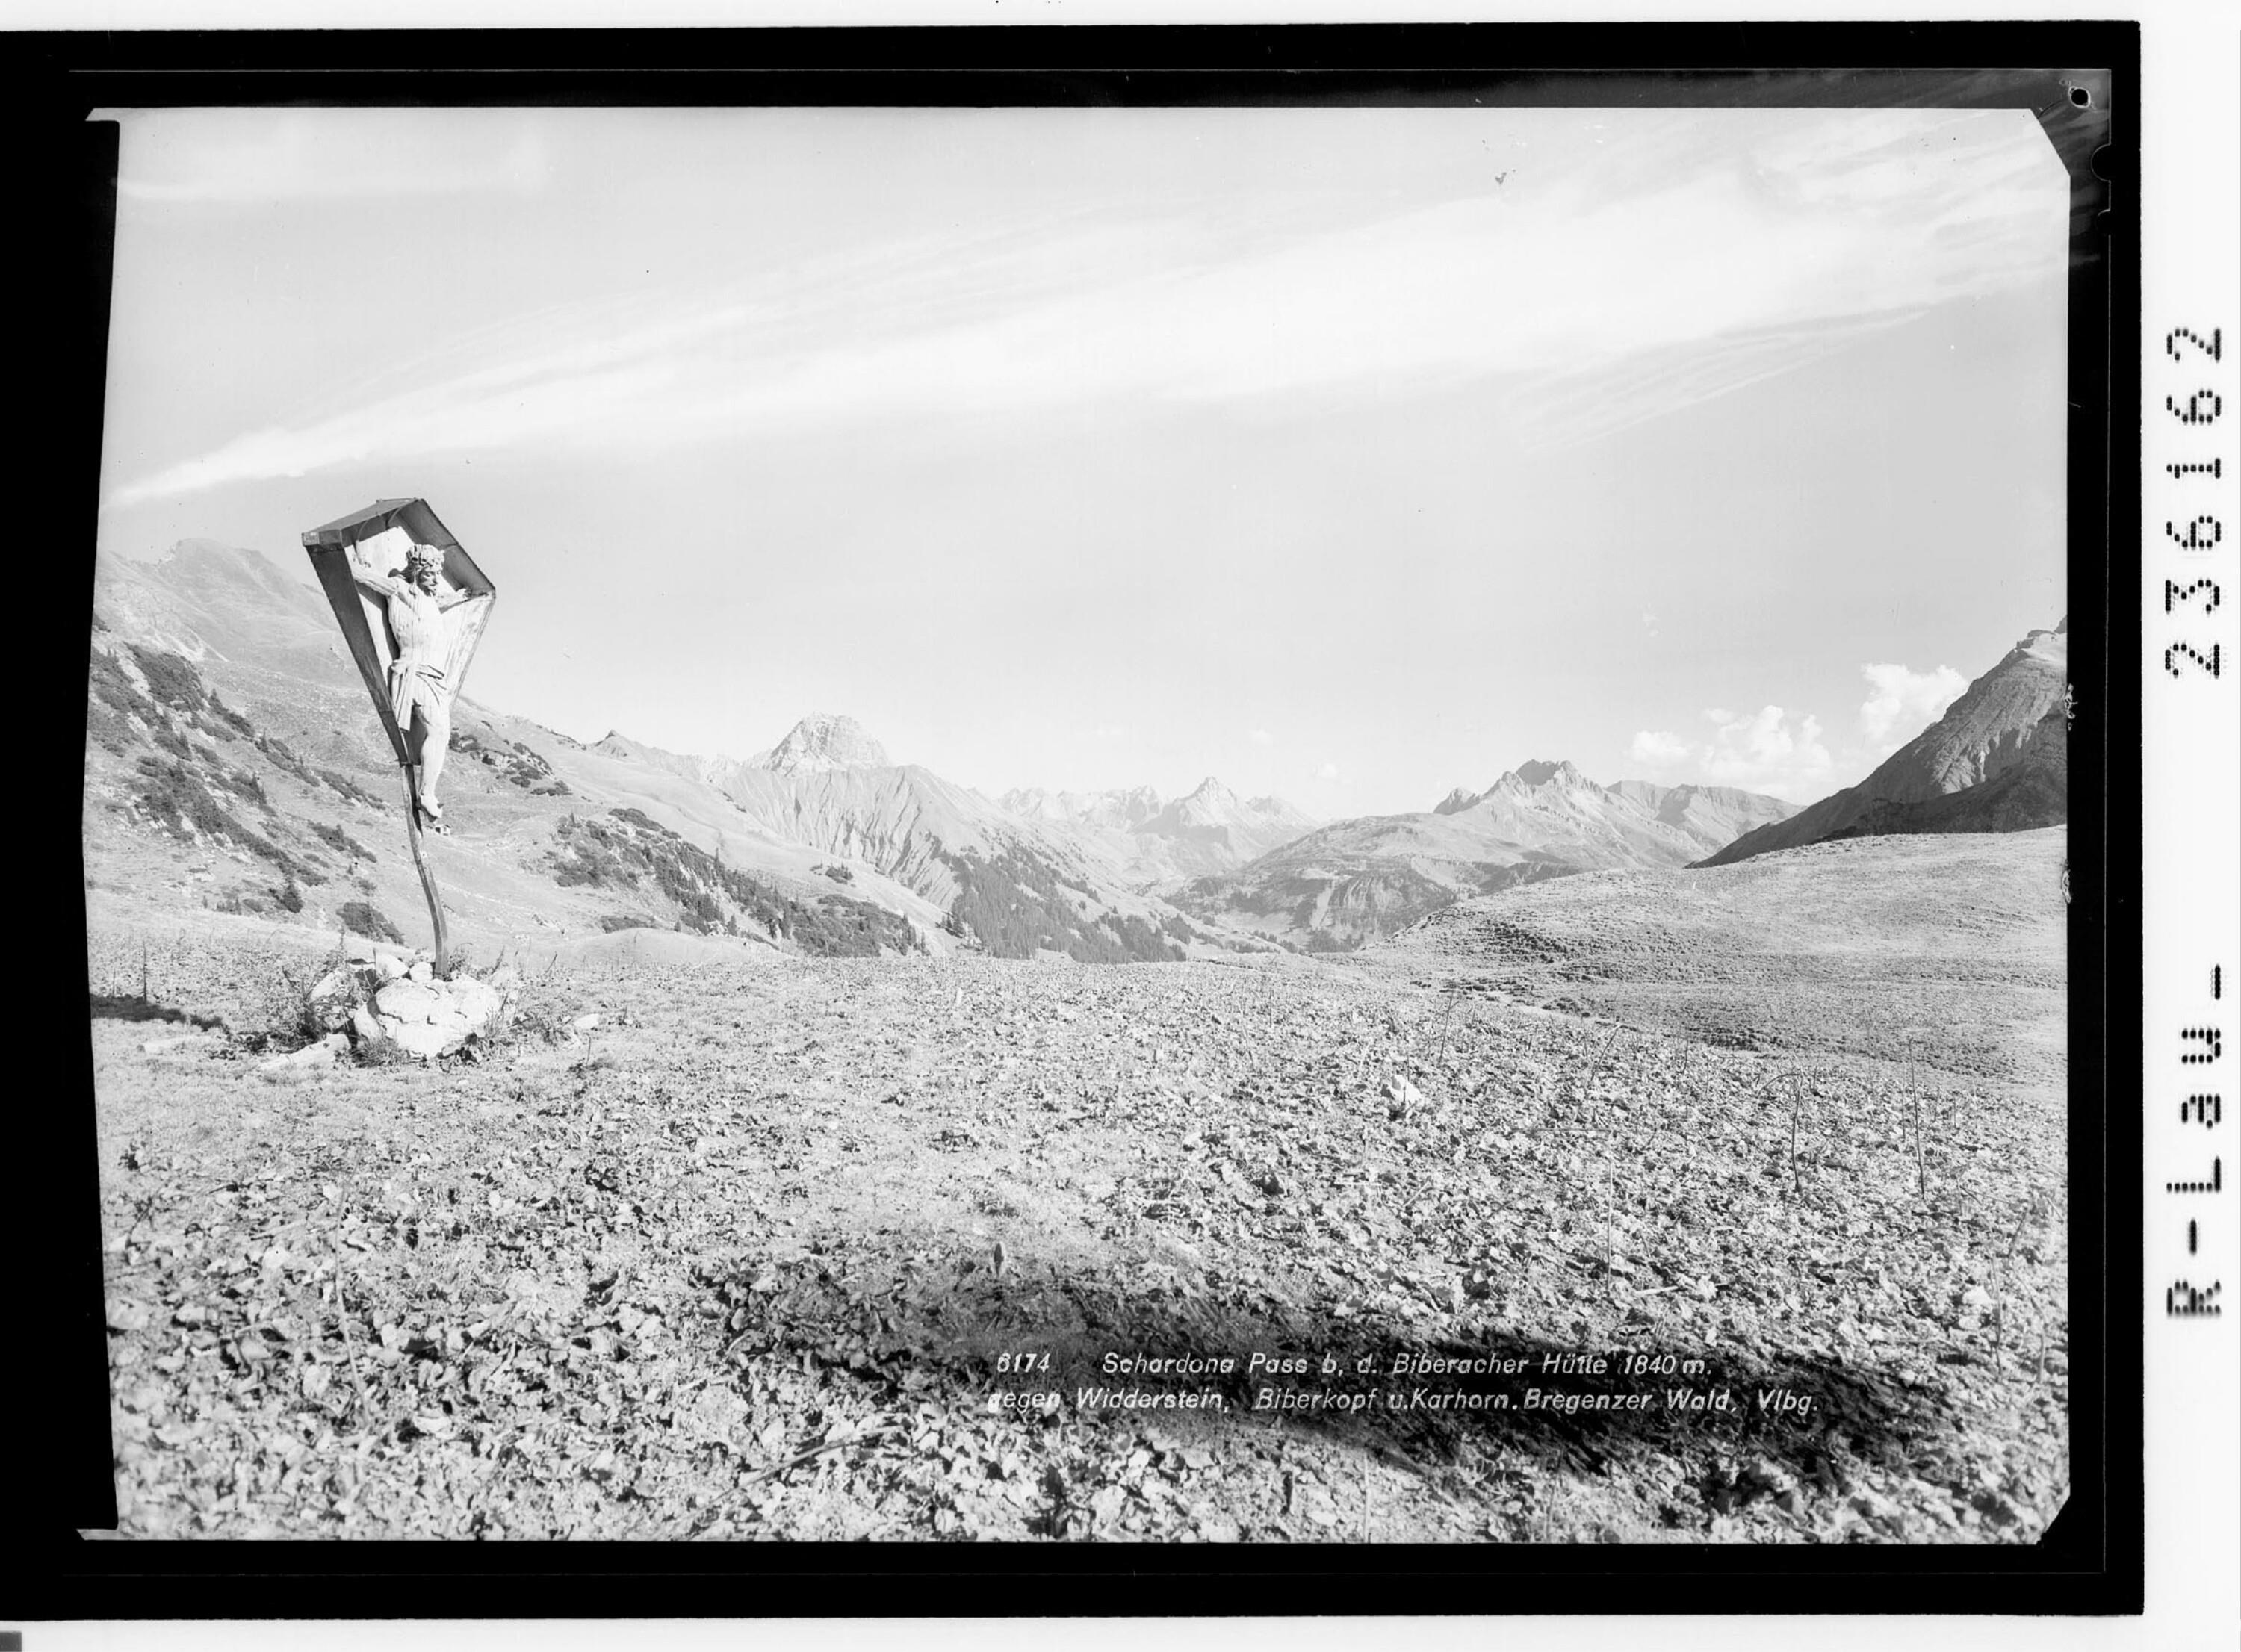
x=1768, y=752
x=1329, y=772
x=1903, y=702
x=1260, y=737
x=1659, y=749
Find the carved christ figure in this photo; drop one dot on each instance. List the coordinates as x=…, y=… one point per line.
x=417, y=688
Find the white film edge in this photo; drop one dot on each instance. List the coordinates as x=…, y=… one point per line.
x=2189, y=573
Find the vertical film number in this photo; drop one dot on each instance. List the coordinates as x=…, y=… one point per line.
x=2200, y=531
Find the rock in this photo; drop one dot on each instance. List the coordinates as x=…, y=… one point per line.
x=431, y=1017
x=1976, y=1296
x=319, y=1055
x=421, y=1038
x=421, y=973
x=477, y=1001
x=390, y=966
x=584, y=1023
x=405, y=1001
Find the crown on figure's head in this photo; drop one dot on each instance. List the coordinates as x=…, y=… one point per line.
x=425, y=553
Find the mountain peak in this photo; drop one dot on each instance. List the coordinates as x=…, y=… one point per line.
x=1539, y=773
x=1213, y=791
x=820, y=742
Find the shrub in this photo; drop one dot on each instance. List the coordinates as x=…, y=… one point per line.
x=107, y=728
x=171, y=679
x=226, y=722
x=115, y=689
x=350, y=789
x=1014, y=905
x=288, y=1019
x=362, y=918
x=340, y=841
x=712, y=898
x=283, y=757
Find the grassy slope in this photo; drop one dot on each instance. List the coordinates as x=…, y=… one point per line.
x=507, y=799
x=1854, y=947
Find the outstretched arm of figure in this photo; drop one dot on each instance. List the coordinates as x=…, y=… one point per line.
x=450, y=603
x=378, y=588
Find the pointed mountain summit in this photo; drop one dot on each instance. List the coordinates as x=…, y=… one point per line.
x=819, y=744
x=1353, y=880
x=1212, y=804
x=1996, y=761
x=1538, y=773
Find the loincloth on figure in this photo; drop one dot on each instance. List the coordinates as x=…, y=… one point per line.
x=417, y=683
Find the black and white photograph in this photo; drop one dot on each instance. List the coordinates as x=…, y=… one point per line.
x=1328, y=824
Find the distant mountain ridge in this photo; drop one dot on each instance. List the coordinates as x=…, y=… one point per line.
x=1158, y=845
x=1354, y=880
x=221, y=694
x=1997, y=760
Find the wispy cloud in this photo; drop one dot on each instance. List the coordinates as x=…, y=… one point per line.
x=1602, y=306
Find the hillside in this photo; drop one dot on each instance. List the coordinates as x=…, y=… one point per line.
x=1996, y=761
x=1948, y=950
x=1353, y=880
x=235, y=764
x=1016, y=886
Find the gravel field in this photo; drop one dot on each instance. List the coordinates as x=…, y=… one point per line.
x=862, y=1248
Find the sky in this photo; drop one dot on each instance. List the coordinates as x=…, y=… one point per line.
x=1350, y=455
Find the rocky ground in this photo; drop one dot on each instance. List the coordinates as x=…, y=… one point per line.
x=812, y=1248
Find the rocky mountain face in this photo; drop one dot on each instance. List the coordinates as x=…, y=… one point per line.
x=1354, y=880
x=234, y=761
x=829, y=785
x=1996, y=761
x=1124, y=810
x=1156, y=845
x=820, y=744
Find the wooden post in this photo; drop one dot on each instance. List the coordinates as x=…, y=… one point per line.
x=420, y=865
